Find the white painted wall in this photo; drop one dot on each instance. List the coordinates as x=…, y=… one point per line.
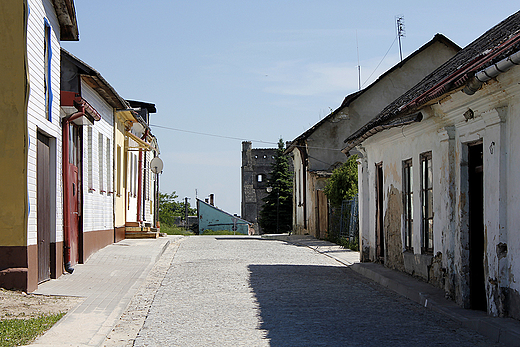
x=445, y=132
x=36, y=115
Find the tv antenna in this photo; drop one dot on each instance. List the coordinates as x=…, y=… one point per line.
x=400, y=32
x=358, y=66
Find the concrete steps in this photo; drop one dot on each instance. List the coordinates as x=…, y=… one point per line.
x=134, y=231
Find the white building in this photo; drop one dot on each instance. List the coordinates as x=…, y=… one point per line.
x=317, y=151
x=438, y=188
x=89, y=103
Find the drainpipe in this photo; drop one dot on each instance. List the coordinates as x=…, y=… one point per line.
x=66, y=186
x=491, y=72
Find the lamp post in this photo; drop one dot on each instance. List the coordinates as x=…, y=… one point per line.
x=269, y=190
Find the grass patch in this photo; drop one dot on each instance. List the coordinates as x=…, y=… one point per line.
x=175, y=230
x=220, y=232
x=16, y=332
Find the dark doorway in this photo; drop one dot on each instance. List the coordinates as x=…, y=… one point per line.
x=43, y=208
x=476, y=227
x=380, y=233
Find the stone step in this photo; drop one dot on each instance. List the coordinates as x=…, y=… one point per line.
x=137, y=229
x=142, y=235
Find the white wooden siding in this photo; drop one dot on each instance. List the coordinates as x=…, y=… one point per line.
x=98, y=203
x=36, y=115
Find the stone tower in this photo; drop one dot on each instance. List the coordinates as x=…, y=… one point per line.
x=256, y=166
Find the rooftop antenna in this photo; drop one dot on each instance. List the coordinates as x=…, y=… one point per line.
x=358, y=66
x=400, y=32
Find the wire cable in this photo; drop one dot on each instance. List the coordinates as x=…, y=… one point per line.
x=235, y=138
x=392, y=45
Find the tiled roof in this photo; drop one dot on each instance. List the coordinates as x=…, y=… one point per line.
x=494, y=45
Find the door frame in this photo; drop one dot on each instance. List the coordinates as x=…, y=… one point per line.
x=44, y=206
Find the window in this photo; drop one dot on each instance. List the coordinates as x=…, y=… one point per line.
x=427, y=202
x=47, y=81
x=109, y=166
x=118, y=168
x=131, y=173
x=408, y=204
x=101, y=163
x=260, y=178
x=89, y=159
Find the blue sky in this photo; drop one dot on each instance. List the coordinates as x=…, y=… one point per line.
x=252, y=70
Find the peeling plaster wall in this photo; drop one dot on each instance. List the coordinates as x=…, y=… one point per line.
x=392, y=226
x=446, y=133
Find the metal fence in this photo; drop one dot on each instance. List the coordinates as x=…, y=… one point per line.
x=344, y=220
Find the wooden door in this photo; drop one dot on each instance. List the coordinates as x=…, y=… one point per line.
x=43, y=208
x=323, y=214
x=380, y=233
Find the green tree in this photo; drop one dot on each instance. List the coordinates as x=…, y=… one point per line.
x=343, y=184
x=276, y=214
x=169, y=208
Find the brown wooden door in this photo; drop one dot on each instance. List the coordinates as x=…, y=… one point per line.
x=380, y=233
x=43, y=208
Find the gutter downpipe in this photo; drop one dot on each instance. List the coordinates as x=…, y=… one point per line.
x=491, y=72
x=66, y=185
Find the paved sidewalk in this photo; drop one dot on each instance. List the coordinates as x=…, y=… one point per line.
x=107, y=281
x=501, y=330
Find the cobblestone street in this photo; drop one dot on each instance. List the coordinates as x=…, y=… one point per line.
x=243, y=291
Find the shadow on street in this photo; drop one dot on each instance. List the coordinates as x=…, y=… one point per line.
x=307, y=305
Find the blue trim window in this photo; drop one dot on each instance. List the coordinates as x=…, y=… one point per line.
x=47, y=79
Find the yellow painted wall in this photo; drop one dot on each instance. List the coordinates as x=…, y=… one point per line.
x=120, y=170
x=14, y=93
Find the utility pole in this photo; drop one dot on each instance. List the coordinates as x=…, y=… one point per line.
x=358, y=66
x=400, y=33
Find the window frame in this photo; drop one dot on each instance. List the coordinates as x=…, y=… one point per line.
x=47, y=66
x=408, y=204
x=427, y=203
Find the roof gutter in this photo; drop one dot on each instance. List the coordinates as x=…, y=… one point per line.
x=491, y=72
x=416, y=117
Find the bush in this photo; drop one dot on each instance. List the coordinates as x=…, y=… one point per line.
x=342, y=185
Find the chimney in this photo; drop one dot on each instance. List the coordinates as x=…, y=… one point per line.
x=212, y=199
